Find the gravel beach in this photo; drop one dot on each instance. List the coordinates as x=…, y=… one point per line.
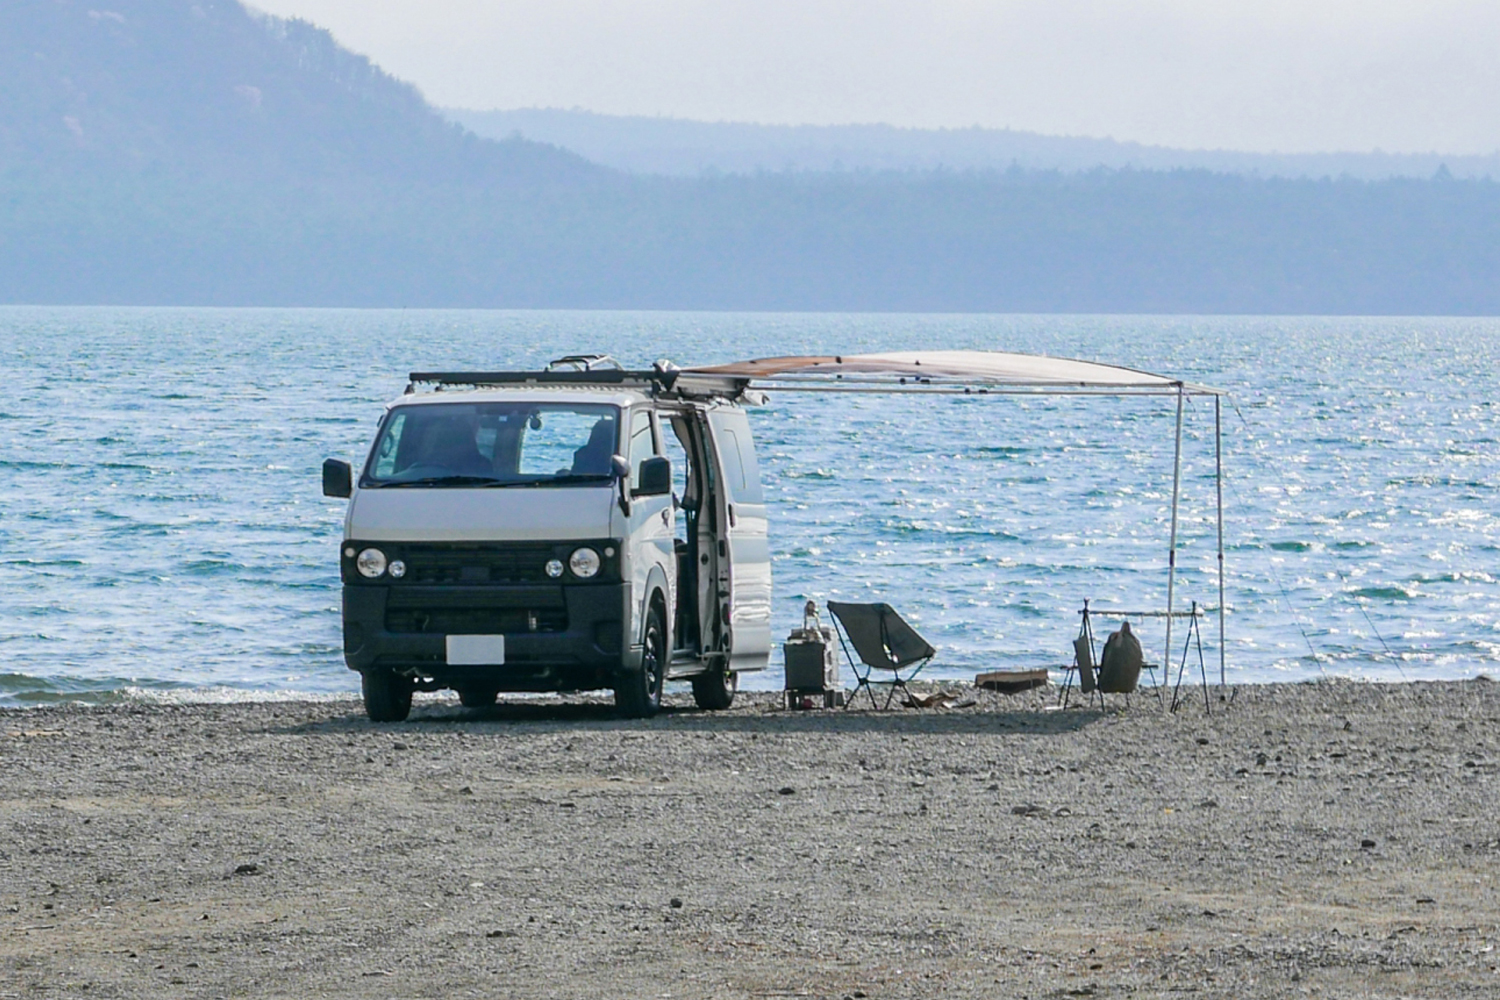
x=1337, y=839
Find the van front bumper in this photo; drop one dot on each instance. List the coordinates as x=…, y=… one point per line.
x=557, y=638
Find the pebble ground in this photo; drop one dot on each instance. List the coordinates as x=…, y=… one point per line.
x=1332, y=839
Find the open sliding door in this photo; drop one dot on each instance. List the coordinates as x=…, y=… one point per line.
x=744, y=577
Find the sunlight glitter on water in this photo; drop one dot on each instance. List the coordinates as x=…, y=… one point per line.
x=162, y=528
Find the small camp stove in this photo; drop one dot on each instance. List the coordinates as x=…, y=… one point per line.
x=812, y=663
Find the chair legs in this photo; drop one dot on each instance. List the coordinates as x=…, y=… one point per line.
x=897, y=683
x=869, y=688
x=862, y=681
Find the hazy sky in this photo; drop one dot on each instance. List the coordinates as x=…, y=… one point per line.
x=1269, y=75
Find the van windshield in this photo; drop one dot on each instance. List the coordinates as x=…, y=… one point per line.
x=494, y=444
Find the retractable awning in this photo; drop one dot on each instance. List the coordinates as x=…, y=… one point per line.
x=954, y=369
x=1000, y=372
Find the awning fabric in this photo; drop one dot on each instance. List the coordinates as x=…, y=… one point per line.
x=1035, y=371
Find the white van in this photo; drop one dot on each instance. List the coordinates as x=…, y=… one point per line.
x=528, y=531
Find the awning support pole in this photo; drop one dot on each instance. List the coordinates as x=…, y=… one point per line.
x=1172, y=545
x=1219, y=486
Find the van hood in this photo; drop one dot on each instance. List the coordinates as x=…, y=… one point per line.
x=481, y=515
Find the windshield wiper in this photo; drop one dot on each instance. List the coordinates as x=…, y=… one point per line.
x=544, y=481
x=567, y=480
x=490, y=482
x=447, y=481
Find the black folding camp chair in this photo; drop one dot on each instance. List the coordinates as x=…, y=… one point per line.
x=884, y=641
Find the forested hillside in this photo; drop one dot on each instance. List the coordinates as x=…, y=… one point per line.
x=206, y=88
x=683, y=148
x=181, y=152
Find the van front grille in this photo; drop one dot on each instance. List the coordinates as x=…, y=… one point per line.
x=475, y=621
x=428, y=565
x=513, y=562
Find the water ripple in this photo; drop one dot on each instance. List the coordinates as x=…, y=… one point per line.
x=162, y=535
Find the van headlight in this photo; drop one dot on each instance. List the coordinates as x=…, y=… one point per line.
x=584, y=563
x=370, y=563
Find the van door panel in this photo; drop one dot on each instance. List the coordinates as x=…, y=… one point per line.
x=650, y=527
x=703, y=495
x=746, y=574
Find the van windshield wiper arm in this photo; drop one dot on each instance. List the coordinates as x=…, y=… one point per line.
x=490, y=482
x=567, y=480
x=447, y=481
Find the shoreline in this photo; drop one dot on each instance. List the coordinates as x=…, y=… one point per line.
x=1333, y=838
x=152, y=694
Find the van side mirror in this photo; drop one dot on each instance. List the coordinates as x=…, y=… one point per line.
x=338, y=478
x=619, y=466
x=655, y=479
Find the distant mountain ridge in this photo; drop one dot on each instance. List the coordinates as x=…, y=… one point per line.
x=208, y=87
x=684, y=148
x=165, y=152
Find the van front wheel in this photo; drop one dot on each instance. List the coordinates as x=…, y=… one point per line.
x=715, y=689
x=638, y=693
x=387, y=696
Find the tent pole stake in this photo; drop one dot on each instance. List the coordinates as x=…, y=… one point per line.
x=1172, y=545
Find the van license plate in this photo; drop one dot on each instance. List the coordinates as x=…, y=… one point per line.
x=476, y=650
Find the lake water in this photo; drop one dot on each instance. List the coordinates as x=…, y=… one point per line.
x=162, y=532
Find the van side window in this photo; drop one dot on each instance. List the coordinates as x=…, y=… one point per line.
x=642, y=446
x=736, y=451
x=674, y=445
x=734, y=467
x=750, y=469
x=741, y=468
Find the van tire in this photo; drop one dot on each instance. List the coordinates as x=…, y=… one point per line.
x=638, y=694
x=476, y=697
x=715, y=689
x=387, y=696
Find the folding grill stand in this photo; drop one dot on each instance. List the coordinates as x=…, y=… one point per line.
x=1194, y=639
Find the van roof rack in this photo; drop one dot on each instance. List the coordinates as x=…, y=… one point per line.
x=662, y=380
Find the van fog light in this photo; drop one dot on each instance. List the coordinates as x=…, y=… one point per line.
x=371, y=563
x=397, y=568
x=554, y=568
x=584, y=563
